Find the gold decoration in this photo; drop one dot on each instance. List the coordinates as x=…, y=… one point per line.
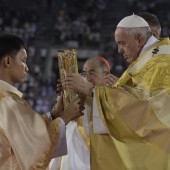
x=67, y=60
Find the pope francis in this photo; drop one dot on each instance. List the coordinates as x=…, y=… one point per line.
x=131, y=123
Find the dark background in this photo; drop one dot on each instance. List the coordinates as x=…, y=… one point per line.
x=85, y=25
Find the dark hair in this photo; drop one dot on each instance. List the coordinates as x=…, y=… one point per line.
x=10, y=45
x=150, y=18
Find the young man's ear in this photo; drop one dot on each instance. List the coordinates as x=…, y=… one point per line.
x=7, y=61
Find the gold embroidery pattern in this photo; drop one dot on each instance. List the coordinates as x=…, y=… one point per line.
x=54, y=132
x=43, y=162
x=55, y=129
x=155, y=75
x=148, y=69
x=67, y=61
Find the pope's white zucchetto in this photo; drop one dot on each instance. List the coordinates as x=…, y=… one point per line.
x=132, y=21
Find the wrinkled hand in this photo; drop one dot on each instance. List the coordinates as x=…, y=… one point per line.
x=111, y=79
x=78, y=83
x=72, y=111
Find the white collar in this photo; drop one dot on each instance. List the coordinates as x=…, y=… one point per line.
x=152, y=40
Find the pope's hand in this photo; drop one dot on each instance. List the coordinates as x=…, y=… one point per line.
x=78, y=83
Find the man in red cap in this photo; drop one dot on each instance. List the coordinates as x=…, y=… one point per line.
x=94, y=71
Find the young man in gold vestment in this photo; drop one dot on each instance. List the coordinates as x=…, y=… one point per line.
x=134, y=111
x=78, y=143
x=27, y=141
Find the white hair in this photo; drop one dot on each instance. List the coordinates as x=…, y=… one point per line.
x=143, y=31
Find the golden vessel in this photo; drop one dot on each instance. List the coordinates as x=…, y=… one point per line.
x=67, y=60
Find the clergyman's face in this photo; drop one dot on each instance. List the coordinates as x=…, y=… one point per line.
x=127, y=44
x=19, y=67
x=93, y=73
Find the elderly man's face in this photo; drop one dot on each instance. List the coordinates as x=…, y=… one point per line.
x=128, y=45
x=93, y=73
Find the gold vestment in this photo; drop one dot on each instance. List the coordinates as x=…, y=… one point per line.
x=27, y=142
x=136, y=113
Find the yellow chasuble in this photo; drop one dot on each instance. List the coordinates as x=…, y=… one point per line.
x=136, y=113
x=27, y=142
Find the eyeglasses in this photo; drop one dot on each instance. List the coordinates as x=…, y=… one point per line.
x=91, y=74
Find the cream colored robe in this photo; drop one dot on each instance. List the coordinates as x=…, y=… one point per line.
x=27, y=142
